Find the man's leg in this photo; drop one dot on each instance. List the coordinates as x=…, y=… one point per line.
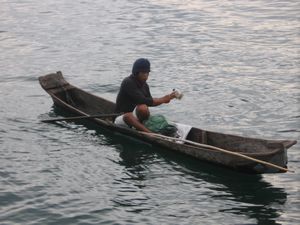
x=142, y=113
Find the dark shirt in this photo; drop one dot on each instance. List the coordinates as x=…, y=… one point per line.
x=132, y=93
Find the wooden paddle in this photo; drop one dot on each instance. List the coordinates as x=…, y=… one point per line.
x=222, y=150
x=81, y=117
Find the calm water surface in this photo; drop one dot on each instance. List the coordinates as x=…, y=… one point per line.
x=237, y=63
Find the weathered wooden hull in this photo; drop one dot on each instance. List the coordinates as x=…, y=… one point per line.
x=79, y=102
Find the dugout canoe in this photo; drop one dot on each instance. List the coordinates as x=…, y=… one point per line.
x=79, y=102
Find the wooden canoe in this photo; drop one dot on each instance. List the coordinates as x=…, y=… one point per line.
x=80, y=102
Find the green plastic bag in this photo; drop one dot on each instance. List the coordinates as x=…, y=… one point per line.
x=159, y=124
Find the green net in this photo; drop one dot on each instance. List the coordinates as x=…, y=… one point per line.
x=159, y=124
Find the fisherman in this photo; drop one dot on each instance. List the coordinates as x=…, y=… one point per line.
x=134, y=97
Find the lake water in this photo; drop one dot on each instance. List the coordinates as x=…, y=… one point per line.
x=237, y=63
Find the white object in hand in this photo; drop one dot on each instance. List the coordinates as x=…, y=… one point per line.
x=178, y=95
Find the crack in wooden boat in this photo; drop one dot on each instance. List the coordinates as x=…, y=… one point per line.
x=82, y=103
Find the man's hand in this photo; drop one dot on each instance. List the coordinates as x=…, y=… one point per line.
x=169, y=97
x=165, y=99
x=173, y=94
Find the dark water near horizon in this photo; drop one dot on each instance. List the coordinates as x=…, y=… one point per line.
x=237, y=63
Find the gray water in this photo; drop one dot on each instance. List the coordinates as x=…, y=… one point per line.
x=237, y=63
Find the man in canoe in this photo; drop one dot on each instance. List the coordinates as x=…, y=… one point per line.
x=134, y=97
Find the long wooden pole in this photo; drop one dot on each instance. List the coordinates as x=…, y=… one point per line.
x=221, y=150
x=81, y=117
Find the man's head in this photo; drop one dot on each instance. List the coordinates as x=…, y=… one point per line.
x=141, y=65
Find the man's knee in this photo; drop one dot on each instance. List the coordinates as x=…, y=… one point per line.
x=142, y=112
x=129, y=118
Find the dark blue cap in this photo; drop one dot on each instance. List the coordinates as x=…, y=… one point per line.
x=141, y=65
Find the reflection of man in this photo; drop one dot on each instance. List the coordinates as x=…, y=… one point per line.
x=134, y=97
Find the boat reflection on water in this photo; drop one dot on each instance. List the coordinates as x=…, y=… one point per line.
x=248, y=195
